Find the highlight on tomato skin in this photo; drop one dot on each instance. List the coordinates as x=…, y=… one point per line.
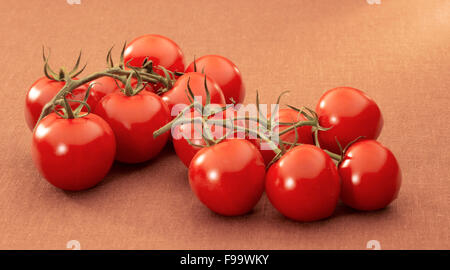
x=349, y=113
x=304, y=134
x=224, y=72
x=228, y=177
x=304, y=184
x=370, y=175
x=185, y=149
x=133, y=120
x=73, y=154
x=106, y=85
x=178, y=94
x=42, y=91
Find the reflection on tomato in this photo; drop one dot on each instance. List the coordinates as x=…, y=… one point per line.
x=286, y=115
x=42, y=92
x=225, y=73
x=106, y=85
x=103, y=86
x=304, y=184
x=370, y=174
x=178, y=93
x=193, y=131
x=73, y=154
x=133, y=120
x=228, y=177
x=350, y=113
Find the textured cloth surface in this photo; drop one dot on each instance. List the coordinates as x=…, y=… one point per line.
x=397, y=51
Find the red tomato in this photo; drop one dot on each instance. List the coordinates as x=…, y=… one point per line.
x=103, y=86
x=228, y=177
x=133, y=120
x=351, y=114
x=225, y=73
x=304, y=184
x=42, y=92
x=193, y=132
x=287, y=115
x=79, y=94
x=178, y=95
x=370, y=174
x=148, y=87
x=159, y=49
x=73, y=154
x=106, y=85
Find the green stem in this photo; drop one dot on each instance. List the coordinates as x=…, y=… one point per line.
x=68, y=109
x=114, y=72
x=168, y=126
x=298, y=124
x=334, y=156
x=273, y=145
x=316, y=138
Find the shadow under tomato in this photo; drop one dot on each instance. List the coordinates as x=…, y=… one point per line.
x=121, y=170
x=234, y=218
x=341, y=211
x=203, y=212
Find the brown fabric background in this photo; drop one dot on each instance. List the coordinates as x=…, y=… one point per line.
x=398, y=52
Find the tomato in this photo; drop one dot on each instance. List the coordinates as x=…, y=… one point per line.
x=286, y=115
x=225, y=73
x=42, y=92
x=228, y=177
x=106, y=85
x=193, y=132
x=159, y=49
x=370, y=174
x=133, y=120
x=178, y=94
x=103, y=86
x=79, y=94
x=304, y=184
x=73, y=154
x=351, y=114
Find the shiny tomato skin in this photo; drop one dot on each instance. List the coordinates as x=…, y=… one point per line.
x=287, y=115
x=42, y=92
x=225, y=73
x=106, y=85
x=148, y=86
x=371, y=176
x=351, y=114
x=183, y=149
x=73, y=154
x=133, y=120
x=304, y=184
x=103, y=86
x=79, y=94
x=228, y=177
x=186, y=151
x=159, y=49
x=177, y=95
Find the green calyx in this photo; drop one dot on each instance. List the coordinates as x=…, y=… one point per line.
x=62, y=74
x=145, y=75
x=264, y=134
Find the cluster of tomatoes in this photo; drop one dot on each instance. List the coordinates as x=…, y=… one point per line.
x=81, y=125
